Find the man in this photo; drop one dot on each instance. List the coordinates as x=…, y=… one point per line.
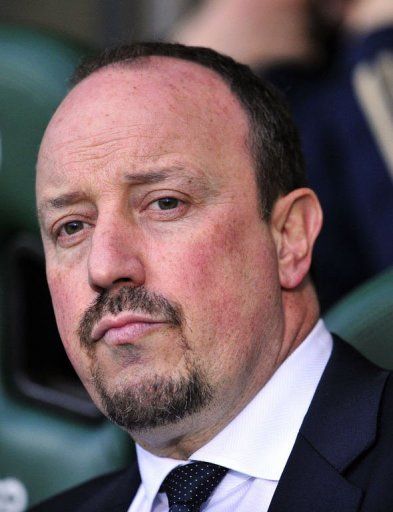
x=178, y=234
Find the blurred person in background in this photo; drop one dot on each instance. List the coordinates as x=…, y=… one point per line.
x=333, y=60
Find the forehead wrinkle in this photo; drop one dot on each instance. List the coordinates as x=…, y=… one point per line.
x=97, y=146
x=104, y=136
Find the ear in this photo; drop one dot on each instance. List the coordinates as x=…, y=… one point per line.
x=295, y=223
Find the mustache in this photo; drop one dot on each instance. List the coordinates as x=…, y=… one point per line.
x=127, y=298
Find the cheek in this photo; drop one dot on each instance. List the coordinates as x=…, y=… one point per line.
x=226, y=273
x=227, y=283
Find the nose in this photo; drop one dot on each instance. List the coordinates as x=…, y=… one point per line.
x=116, y=255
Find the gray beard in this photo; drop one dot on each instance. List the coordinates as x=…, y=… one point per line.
x=157, y=402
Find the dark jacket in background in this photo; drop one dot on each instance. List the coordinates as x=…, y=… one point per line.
x=345, y=160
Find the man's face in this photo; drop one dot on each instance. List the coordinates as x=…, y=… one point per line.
x=162, y=273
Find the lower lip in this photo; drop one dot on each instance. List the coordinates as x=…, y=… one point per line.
x=129, y=333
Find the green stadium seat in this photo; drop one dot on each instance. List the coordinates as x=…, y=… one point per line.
x=365, y=319
x=34, y=69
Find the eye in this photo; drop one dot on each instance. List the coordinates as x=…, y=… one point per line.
x=163, y=208
x=71, y=233
x=70, y=228
x=167, y=203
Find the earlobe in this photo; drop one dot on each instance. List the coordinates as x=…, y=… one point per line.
x=296, y=222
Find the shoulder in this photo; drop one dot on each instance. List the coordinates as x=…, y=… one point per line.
x=342, y=454
x=350, y=399
x=111, y=492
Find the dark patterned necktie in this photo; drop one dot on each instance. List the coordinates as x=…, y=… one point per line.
x=187, y=487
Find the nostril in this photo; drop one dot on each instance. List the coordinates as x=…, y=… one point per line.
x=122, y=280
x=97, y=289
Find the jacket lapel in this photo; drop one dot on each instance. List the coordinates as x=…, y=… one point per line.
x=310, y=483
x=340, y=425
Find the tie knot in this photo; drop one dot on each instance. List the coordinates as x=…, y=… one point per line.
x=187, y=487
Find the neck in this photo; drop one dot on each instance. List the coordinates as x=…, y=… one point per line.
x=301, y=313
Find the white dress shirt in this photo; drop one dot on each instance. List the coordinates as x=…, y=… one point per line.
x=256, y=445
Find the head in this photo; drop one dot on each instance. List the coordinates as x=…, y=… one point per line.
x=178, y=237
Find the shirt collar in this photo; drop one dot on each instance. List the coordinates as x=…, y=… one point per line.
x=262, y=435
x=153, y=470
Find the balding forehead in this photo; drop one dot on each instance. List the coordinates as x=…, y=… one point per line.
x=159, y=74
x=135, y=98
x=151, y=83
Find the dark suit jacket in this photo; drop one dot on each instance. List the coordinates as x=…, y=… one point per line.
x=342, y=460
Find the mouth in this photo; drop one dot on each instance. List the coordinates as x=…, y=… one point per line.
x=126, y=328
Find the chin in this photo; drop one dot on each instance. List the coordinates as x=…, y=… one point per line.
x=154, y=401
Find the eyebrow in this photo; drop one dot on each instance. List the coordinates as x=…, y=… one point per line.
x=145, y=178
x=157, y=176
x=200, y=179
x=58, y=202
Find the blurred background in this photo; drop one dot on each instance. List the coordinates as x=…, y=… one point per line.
x=98, y=23
x=332, y=60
